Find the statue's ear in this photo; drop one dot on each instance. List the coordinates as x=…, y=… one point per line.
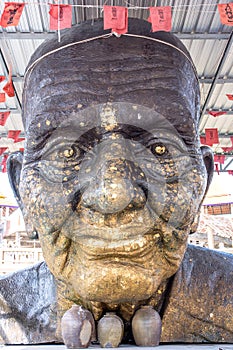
x=208, y=158
x=14, y=167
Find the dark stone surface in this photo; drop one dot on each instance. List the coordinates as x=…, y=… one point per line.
x=28, y=306
x=199, y=305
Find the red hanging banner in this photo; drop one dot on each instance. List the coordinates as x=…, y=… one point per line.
x=219, y=158
x=203, y=140
x=11, y=14
x=216, y=114
x=9, y=88
x=211, y=136
x=161, y=18
x=4, y=169
x=3, y=117
x=19, y=139
x=217, y=168
x=116, y=18
x=13, y=134
x=226, y=13
x=230, y=97
x=2, y=150
x=60, y=16
x=2, y=97
x=228, y=149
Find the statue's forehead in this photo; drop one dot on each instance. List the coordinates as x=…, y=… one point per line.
x=87, y=75
x=67, y=90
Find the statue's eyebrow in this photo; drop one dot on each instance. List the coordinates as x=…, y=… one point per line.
x=88, y=139
x=130, y=132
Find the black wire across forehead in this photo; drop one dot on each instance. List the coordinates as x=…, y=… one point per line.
x=33, y=65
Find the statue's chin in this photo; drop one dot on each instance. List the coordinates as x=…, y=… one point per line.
x=116, y=283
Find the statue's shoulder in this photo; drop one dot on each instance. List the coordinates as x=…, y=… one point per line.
x=201, y=298
x=28, y=305
x=31, y=280
x=204, y=260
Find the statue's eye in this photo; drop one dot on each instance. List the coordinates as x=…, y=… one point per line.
x=68, y=153
x=158, y=149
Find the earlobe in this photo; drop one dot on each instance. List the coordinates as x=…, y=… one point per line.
x=208, y=158
x=14, y=167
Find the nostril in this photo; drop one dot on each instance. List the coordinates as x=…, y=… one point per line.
x=76, y=200
x=143, y=186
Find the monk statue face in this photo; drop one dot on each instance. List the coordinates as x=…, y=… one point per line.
x=113, y=174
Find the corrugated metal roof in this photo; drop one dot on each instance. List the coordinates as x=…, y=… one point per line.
x=196, y=22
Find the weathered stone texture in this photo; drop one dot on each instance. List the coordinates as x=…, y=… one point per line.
x=27, y=306
x=200, y=302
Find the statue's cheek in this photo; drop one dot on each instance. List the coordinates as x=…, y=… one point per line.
x=44, y=201
x=177, y=200
x=30, y=188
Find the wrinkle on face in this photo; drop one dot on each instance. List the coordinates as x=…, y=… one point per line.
x=116, y=187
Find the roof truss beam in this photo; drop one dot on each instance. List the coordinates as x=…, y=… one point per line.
x=218, y=72
x=46, y=35
x=228, y=164
x=6, y=72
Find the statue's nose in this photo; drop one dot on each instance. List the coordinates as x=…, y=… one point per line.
x=115, y=188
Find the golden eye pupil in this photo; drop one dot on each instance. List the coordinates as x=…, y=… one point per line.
x=68, y=153
x=160, y=149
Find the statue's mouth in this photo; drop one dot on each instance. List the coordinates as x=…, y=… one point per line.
x=94, y=229
x=132, y=253
x=106, y=236
x=133, y=245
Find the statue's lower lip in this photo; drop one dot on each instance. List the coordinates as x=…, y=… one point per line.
x=107, y=235
x=106, y=247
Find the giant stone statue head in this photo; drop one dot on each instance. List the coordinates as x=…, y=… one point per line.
x=113, y=174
